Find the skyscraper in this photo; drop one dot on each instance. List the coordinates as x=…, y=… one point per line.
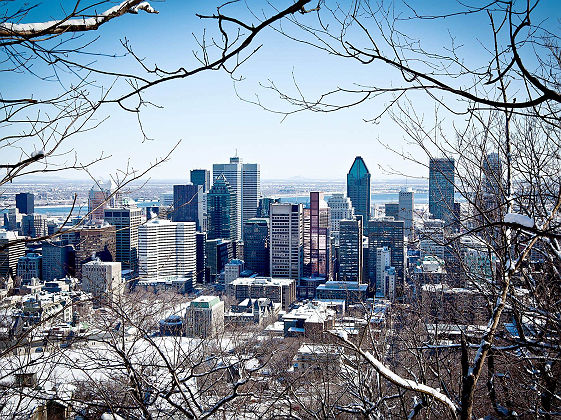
x=9, y=256
x=406, y=205
x=340, y=208
x=201, y=177
x=167, y=248
x=90, y=241
x=201, y=256
x=100, y=197
x=358, y=188
x=245, y=181
x=251, y=190
x=186, y=204
x=25, y=203
x=287, y=234
x=383, y=232
x=58, y=260
x=383, y=263
x=102, y=279
x=441, y=189
x=34, y=225
x=126, y=222
x=256, y=245
x=232, y=174
x=222, y=211
x=350, y=250
x=316, y=237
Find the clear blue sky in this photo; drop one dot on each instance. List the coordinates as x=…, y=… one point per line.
x=212, y=122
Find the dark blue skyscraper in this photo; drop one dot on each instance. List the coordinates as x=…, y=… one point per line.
x=351, y=250
x=386, y=232
x=201, y=177
x=256, y=245
x=185, y=204
x=222, y=211
x=25, y=203
x=441, y=189
x=358, y=188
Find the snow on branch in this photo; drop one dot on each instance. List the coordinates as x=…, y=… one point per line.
x=519, y=219
x=397, y=380
x=10, y=30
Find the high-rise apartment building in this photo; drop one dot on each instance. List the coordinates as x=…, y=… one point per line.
x=316, y=238
x=167, y=249
x=256, y=246
x=385, y=232
x=441, y=189
x=222, y=211
x=351, y=250
x=286, y=240
x=406, y=206
x=358, y=188
x=340, y=208
x=186, y=203
x=25, y=203
x=126, y=221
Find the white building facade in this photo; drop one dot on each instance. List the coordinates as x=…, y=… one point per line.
x=167, y=248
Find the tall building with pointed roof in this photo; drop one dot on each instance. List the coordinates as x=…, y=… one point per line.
x=358, y=188
x=222, y=211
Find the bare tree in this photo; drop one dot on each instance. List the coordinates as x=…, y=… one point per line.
x=508, y=100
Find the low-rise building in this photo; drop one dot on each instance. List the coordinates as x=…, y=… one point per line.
x=350, y=291
x=205, y=317
x=175, y=284
x=281, y=291
x=260, y=311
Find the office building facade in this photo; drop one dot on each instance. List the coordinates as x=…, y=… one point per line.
x=385, y=232
x=406, y=207
x=126, y=221
x=186, y=204
x=256, y=246
x=58, y=260
x=25, y=203
x=340, y=208
x=201, y=177
x=441, y=189
x=358, y=188
x=316, y=238
x=167, y=249
x=222, y=211
x=286, y=240
x=351, y=250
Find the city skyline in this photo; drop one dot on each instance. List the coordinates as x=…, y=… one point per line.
x=256, y=134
